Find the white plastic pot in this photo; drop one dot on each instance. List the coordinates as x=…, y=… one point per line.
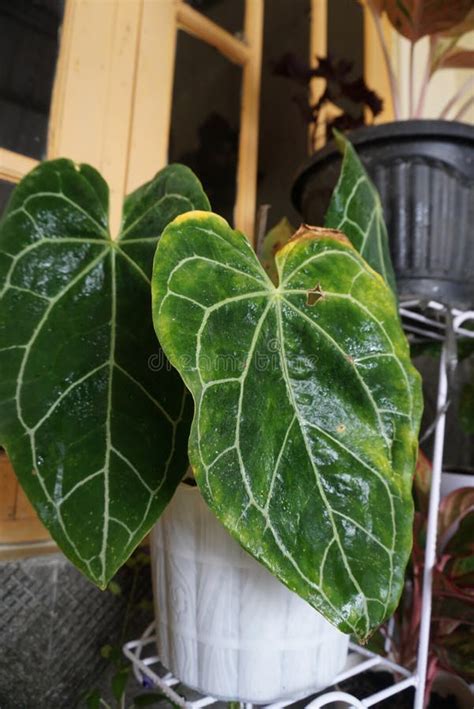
x=226, y=627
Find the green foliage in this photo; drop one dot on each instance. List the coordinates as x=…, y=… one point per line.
x=97, y=438
x=119, y=682
x=138, y=564
x=93, y=700
x=307, y=408
x=356, y=210
x=451, y=635
x=114, y=588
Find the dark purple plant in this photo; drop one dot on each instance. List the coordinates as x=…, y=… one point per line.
x=351, y=95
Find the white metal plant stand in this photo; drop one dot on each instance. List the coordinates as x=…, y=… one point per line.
x=423, y=321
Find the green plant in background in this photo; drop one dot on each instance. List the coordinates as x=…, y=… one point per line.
x=464, y=352
x=96, y=434
x=354, y=209
x=452, y=626
x=119, y=668
x=307, y=406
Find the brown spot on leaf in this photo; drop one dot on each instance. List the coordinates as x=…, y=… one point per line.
x=340, y=428
x=314, y=294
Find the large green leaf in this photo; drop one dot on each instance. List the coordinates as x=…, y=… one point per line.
x=355, y=209
x=94, y=424
x=306, y=408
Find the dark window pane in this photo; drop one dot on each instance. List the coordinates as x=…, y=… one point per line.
x=283, y=132
x=346, y=49
x=205, y=119
x=229, y=14
x=29, y=34
x=346, y=33
x=6, y=188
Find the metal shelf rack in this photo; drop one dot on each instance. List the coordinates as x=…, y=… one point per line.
x=423, y=322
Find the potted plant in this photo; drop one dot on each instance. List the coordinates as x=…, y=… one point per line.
x=304, y=435
x=452, y=636
x=54, y=227
x=423, y=169
x=251, y=353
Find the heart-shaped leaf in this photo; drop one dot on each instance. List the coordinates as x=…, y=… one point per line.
x=355, y=209
x=307, y=408
x=94, y=422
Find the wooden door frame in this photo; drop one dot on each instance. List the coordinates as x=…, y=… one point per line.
x=121, y=88
x=374, y=65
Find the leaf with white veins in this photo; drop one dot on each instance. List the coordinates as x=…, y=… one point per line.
x=307, y=408
x=94, y=424
x=356, y=210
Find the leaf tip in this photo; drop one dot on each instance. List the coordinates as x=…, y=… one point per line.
x=197, y=215
x=340, y=140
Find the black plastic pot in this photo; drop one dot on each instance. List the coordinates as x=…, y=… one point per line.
x=424, y=171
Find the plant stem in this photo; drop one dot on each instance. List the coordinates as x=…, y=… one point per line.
x=411, y=80
x=457, y=96
x=464, y=108
x=388, y=63
x=424, y=86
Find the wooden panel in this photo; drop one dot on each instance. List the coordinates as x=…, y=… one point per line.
x=148, y=149
x=94, y=88
x=208, y=31
x=14, y=166
x=11, y=552
x=18, y=520
x=375, y=70
x=245, y=207
x=318, y=47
